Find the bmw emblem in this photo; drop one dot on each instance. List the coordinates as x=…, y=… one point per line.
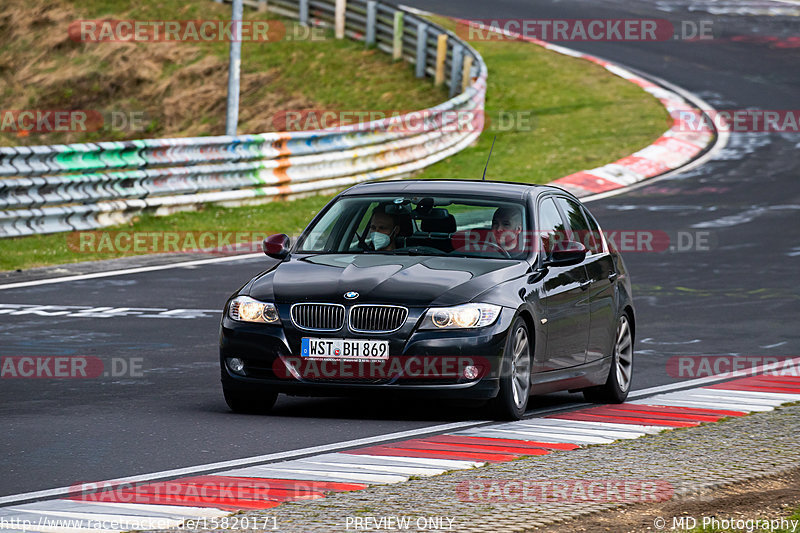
x=352, y=295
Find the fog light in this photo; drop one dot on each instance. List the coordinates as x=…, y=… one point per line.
x=471, y=372
x=236, y=365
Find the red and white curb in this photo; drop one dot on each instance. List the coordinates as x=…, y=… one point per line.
x=165, y=504
x=687, y=138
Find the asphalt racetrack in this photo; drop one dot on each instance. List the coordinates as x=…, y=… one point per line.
x=735, y=293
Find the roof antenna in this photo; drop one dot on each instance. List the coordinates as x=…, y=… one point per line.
x=488, y=158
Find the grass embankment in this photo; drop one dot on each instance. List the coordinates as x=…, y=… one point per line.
x=583, y=117
x=181, y=87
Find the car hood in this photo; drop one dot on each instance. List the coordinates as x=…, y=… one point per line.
x=410, y=280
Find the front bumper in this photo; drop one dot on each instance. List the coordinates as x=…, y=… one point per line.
x=422, y=363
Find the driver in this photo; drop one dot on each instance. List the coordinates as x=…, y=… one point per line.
x=506, y=227
x=382, y=229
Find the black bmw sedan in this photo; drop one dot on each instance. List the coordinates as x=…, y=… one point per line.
x=463, y=289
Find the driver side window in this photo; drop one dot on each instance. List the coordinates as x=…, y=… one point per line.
x=361, y=229
x=579, y=230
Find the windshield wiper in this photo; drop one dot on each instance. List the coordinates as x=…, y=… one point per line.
x=416, y=251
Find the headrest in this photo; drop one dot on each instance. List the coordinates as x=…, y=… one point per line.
x=445, y=224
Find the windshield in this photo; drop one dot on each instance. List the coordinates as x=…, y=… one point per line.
x=411, y=225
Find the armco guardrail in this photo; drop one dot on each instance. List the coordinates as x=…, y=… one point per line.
x=47, y=189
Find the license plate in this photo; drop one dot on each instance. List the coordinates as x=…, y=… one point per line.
x=345, y=349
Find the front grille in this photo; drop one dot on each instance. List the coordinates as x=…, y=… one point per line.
x=377, y=318
x=318, y=317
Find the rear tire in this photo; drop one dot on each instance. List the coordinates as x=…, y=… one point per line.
x=250, y=402
x=618, y=384
x=515, y=374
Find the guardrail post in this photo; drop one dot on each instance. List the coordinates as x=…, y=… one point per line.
x=338, y=18
x=372, y=17
x=303, y=12
x=466, y=73
x=397, y=48
x=455, y=68
x=441, y=57
x=234, y=66
x=422, y=49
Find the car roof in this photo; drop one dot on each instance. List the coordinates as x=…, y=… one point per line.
x=504, y=189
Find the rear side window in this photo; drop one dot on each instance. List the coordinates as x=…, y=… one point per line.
x=596, y=242
x=551, y=228
x=579, y=229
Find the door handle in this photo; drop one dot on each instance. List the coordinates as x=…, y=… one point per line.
x=586, y=284
x=612, y=277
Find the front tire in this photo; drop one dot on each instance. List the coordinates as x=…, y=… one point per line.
x=249, y=402
x=618, y=384
x=515, y=374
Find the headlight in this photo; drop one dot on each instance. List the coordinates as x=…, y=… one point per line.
x=461, y=316
x=246, y=309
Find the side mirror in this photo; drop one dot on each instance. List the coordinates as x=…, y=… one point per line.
x=566, y=253
x=277, y=246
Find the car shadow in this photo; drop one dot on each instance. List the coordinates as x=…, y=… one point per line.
x=398, y=408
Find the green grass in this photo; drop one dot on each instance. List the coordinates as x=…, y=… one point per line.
x=331, y=73
x=164, y=81
x=583, y=117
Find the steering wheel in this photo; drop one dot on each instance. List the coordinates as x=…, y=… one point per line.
x=498, y=248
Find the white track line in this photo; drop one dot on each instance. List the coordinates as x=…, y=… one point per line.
x=403, y=470
x=449, y=464
x=745, y=394
x=698, y=404
x=736, y=399
x=542, y=436
x=152, y=509
x=571, y=425
x=611, y=434
x=310, y=473
x=125, y=271
x=597, y=425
